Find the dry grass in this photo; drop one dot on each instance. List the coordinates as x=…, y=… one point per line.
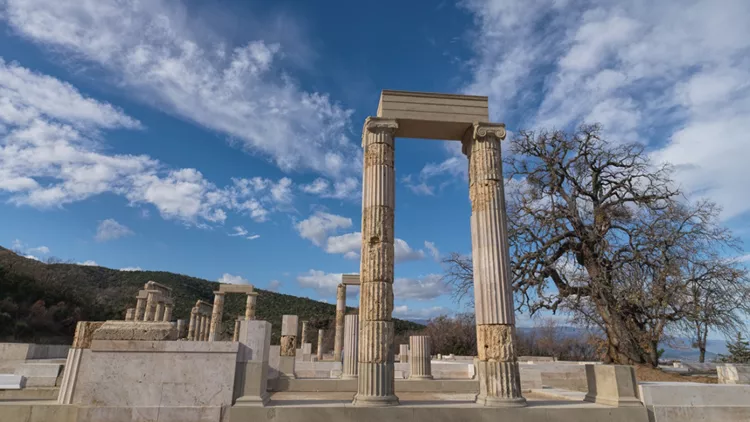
x=647, y=373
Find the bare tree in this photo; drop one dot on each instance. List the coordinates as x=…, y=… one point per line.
x=597, y=230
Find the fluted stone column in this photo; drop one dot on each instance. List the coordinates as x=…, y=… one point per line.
x=129, y=314
x=338, y=340
x=236, y=334
x=497, y=369
x=351, y=346
x=140, y=309
x=288, y=345
x=403, y=353
x=150, y=306
x=303, y=337
x=168, y=312
x=159, y=315
x=252, y=299
x=206, y=328
x=419, y=358
x=375, y=386
x=181, y=328
x=198, y=326
x=216, y=315
x=193, y=324
x=320, y=345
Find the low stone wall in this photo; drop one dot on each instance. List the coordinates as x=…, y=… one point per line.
x=23, y=351
x=567, y=376
x=693, y=402
x=141, y=374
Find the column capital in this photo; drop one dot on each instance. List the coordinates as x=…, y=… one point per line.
x=380, y=124
x=480, y=131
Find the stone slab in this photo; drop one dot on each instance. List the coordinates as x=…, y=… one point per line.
x=274, y=355
x=23, y=351
x=612, y=385
x=135, y=330
x=11, y=382
x=30, y=394
x=431, y=115
x=350, y=385
x=39, y=370
x=289, y=325
x=731, y=373
x=350, y=279
x=693, y=402
x=37, y=412
x=236, y=288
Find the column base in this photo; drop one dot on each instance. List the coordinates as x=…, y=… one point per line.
x=420, y=377
x=375, y=401
x=500, y=402
x=349, y=377
x=259, y=401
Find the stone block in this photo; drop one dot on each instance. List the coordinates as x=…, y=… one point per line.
x=612, y=385
x=286, y=367
x=273, y=362
x=531, y=379
x=731, y=373
x=136, y=331
x=289, y=325
x=251, y=377
x=236, y=288
x=12, y=382
x=432, y=116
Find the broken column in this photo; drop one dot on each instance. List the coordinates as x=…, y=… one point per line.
x=181, y=328
x=151, y=305
x=236, y=333
x=376, y=371
x=252, y=299
x=216, y=315
x=419, y=358
x=351, y=346
x=168, y=307
x=499, y=381
x=403, y=353
x=193, y=323
x=288, y=345
x=198, y=327
x=320, y=345
x=338, y=340
x=129, y=314
x=140, y=309
x=159, y=315
x=206, y=329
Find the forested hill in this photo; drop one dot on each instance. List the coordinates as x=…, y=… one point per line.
x=42, y=302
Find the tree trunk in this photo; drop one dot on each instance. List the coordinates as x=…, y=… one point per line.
x=702, y=357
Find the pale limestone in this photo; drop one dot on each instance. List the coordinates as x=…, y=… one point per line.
x=694, y=402
x=319, y=354
x=192, y=326
x=351, y=347
x=419, y=358
x=11, y=382
x=216, y=316
x=733, y=373
x=236, y=288
x=135, y=330
x=303, y=337
x=403, y=353
x=251, y=379
x=250, y=304
x=613, y=385
x=39, y=374
x=338, y=341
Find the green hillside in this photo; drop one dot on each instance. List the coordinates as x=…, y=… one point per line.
x=41, y=302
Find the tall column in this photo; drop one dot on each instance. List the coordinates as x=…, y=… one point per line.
x=168, y=312
x=129, y=314
x=375, y=386
x=159, y=315
x=288, y=345
x=252, y=299
x=198, y=326
x=320, y=345
x=419, y=358
x=303, y=337
x=193, y=324
x=140, y=309
x=497, y=369
x=216, y=315
x=181, y=328
x=351, y=346
x=150, y=306
x=338, y=340
x=236, y=334
x=403, y=353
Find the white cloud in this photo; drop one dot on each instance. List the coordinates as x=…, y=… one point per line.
x=131, y=269
x=88, y=263
x=323, y=283
x=347, y=188
x=673, y=74
x=320, y=225
x=350, y=244
x=163, y=55
x=32, y=257
x=403, y=252
x=274, y=285
x=253, y=236
x=39, y=249
x=238, y=231
x=433, y=250
x=424, y=288
x=51, y=155
x=404, y=312
x=110, y=229
x=232, y=279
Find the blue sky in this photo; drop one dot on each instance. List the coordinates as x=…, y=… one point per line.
x=221, y=139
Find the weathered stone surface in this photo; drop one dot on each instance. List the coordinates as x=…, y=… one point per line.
x=236, y=288
x=84, y=334
x=732, y=373
x=419, y=357
x=378, y=224
x=338, y=340
x=351, y=347
x=288, y=345
x=135, y=330
x=289, y=325
x=380, y=295
x=11, y=382
x=376, y=338
x=496, y=342
x=250, y=305
x=613, y=385
x=216, y=316
x=377, y=262
x=403, y=353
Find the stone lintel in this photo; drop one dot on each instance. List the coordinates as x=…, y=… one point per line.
x=236, y=288
x=152, y=285
x=350, y=279
x=432, y=115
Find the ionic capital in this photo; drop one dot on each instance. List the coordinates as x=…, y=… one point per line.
x=480, y=131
